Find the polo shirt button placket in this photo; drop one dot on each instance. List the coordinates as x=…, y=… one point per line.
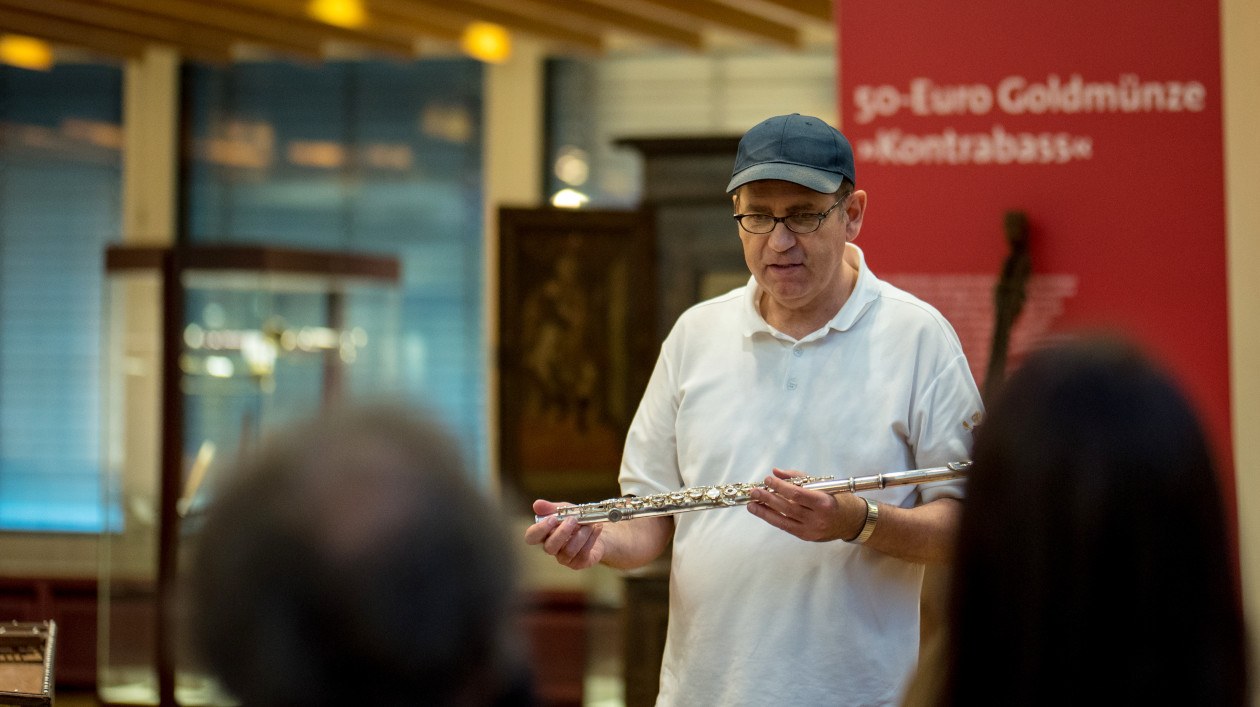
x=791, y=381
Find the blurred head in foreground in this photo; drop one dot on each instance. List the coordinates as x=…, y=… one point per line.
x=1093, y=563
x=352, y=561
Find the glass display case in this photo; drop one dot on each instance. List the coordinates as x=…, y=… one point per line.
x=208, y=348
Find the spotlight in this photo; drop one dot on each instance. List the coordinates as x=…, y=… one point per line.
x=486, y=42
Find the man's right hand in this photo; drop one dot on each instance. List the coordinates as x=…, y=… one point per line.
x=574, y=546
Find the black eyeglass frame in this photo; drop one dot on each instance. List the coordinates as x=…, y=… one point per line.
x=776, y=220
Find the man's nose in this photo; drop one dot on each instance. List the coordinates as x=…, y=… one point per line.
x=781, y=238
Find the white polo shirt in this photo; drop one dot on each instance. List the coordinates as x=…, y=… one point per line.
x=757, y=616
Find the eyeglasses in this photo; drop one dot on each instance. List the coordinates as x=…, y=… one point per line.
x=796, y=223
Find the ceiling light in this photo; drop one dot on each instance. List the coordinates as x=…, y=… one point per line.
x=487, y=42
x=25, y=52
x=341, y=13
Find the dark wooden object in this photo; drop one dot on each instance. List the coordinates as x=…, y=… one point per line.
x=576, y=346
x=1008, y=298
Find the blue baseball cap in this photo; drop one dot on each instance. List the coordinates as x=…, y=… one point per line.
x=794, y=148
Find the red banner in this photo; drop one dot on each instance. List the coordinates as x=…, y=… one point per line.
x=1100, y=121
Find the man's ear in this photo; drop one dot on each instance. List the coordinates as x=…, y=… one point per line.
x=855, y=210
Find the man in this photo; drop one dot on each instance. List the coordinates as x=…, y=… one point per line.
x=816, y=366
x=353, y=562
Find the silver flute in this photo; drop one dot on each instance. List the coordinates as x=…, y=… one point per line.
x=701, y=498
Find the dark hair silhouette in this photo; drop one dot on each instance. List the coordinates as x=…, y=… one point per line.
x=352, y=562
x=1093, y=564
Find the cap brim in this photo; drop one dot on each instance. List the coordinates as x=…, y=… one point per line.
x=808, y=177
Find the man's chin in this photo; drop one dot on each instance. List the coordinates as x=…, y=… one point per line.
x=787, y=297
x=785, y=281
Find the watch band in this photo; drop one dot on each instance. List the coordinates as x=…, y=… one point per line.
x=872, y=515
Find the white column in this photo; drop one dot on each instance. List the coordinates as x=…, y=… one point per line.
x=1240, y=66
x=512, y=167
x=150, y=165
x=151, y=139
